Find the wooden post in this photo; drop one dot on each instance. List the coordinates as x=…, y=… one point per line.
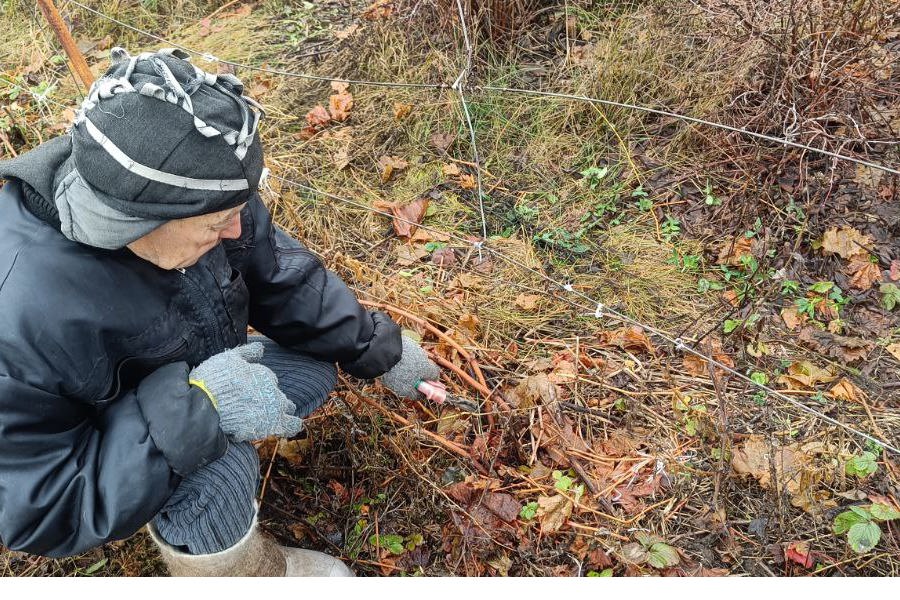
x=76, y=58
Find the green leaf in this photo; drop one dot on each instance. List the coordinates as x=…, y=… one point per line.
x=663, y=555
x=883, y=512
x=862, y=465
x=391, y=542
x=529, y=511
x=862, y=537
x=822, y=287
x=603, y=573
x=890, y=295
x=96, y=566
x=759, y=377
x=844, y=521
x=731, y=324
x=863, y=512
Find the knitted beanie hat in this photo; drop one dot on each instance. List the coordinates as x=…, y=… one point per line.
x=156, y=139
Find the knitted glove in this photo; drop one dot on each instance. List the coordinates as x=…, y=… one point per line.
x=414, y=367
x=246, y=394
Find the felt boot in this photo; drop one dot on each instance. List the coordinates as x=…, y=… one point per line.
x=254, y=555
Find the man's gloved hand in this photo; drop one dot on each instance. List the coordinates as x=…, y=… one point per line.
x=414, y=367
x=246, y=394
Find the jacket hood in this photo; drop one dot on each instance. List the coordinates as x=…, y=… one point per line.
x=42, y=167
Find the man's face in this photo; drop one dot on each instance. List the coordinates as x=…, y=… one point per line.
x=180, y=243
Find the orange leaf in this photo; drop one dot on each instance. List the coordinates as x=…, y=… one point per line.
x=339, y=105
x=865, y=273
x=389, y=164
x=846, y=390
x=731, y=251
x=467, y=182
x=401, y=110
x=318, y=117
x=406, y=216
x=792, y=318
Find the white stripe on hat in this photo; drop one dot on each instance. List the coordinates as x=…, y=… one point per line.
x=223, y=185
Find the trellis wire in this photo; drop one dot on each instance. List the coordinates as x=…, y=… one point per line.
x=600, y=310
x=636, y=107
x=459, y=85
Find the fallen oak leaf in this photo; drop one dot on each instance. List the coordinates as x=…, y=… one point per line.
x=627, y=338
x=805, y=375
x=552, y=512
x=792, y=317
x=864, y=273
x=406, y=216
x=389, y=164
x=528, y=301
x=846, y=390
x=442, y=141
x=894, y=349
x=318, y=116
x=401, y=110
x=845, y=242
x=339, y=106
x=846, y=349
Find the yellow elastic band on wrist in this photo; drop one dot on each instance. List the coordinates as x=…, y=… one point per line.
x=206, y=391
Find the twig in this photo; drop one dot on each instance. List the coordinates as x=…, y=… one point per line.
x=445, y=443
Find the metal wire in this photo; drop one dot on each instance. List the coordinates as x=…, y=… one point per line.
x=636, y=107
x=39, y=97
x=601, y=311
x=459, y=85
x=666, y=113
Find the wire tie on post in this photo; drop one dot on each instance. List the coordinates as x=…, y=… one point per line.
x=679, y=344
x=568, y=287
x=600, y=312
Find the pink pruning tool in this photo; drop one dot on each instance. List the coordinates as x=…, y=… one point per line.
x=437, y=392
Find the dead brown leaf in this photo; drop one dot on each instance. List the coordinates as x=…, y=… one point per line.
x=294, y=451
x=534, y=390
x=731, y=251
x=380, y=9
x=696, y=366
x=408, y=254
x=528, y=301
x=845, y=242
x=401, y=110
x=444, y=257
x=845, y=389
x=442, y=141
x=467, y=182
x=466, y=281
x=864, y=273
x=791, y=317
x=630, y=338
x=406, y=216
x=316, y=119
x=450, y=170
x=346, y=32
x=552, y=512
x=339, y=105
x=843, y=348
x=389, y=164
x=894, y=349
x=805, y=375
x=894, y=273
x=793, y=467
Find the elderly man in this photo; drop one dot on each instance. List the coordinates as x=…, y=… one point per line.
x=134, y=252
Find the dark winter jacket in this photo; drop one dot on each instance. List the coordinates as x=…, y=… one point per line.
x=97, y=421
